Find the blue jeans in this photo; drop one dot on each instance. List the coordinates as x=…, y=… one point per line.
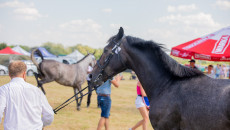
x=105, y=104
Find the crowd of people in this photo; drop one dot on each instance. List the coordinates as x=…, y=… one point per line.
x=217, y=72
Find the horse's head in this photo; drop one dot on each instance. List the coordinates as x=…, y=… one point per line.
x=112, y=60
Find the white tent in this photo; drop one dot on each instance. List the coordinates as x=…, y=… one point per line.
x=76, y=55
x=20, y=50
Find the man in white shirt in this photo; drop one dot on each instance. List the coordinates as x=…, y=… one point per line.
x=24, y=105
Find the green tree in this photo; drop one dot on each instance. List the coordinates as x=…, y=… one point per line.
x=84, y=49
x=3, y=45
x=56, y=49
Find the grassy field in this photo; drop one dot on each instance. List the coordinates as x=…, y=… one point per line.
x=123, y=112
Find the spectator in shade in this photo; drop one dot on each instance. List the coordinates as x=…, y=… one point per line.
x=223, y=72
x=210, y=72
x=217, y=71
x=192, y=64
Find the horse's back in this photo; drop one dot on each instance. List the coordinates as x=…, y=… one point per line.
x=59, y=72
x=205, y=103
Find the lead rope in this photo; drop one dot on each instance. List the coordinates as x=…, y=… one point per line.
x=66, y=102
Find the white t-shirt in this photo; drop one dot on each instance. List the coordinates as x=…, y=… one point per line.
x=24, y=105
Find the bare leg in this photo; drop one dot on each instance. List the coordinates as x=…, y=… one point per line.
x=101, y=123
x=106, y=123
x=145, y=115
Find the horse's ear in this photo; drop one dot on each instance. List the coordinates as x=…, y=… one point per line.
x=94, y=52
x=87, y=52
x=120, y=34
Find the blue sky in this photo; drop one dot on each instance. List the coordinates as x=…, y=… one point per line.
x=92, y=23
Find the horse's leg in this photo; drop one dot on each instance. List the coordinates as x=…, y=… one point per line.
x=79, y=104
x=76, y=96
x=38, y=83
x=89, y=95
x=43, y=81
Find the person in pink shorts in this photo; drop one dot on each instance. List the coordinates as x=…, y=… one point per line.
x=142, y=105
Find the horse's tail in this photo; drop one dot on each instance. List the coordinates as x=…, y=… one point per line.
x=34, y=60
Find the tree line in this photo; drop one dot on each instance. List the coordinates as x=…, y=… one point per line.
x=59, y=50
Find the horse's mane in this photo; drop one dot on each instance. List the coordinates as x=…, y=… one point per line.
x=81, y=59
x=165, y=60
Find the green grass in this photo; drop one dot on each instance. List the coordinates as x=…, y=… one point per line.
x=123, y=112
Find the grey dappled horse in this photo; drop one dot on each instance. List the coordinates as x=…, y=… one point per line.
x=180, y=98
x=69, y=75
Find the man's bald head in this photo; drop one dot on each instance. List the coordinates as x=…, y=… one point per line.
x=17, y=68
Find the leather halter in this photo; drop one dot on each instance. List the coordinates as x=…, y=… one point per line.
x=115, y=50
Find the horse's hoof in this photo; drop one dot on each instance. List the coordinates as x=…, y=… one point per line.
x=78, y=108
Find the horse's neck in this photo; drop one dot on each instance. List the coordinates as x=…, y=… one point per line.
x=85, y=63
x=149, y=72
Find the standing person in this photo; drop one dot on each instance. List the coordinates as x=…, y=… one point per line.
x=104, y=100
x=142, y=107
x=24, y=105
x=90, y=69
x=223, y=72
x=192, y=64
x=210, y=72
x=217, y=71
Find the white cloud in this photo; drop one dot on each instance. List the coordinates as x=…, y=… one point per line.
x=223, y=4
x=70, y=33
x=182, y=8
x=200, y=19
x=25, y=11
x=87, y=25
x=107, y=10
x=173, y=36
x=85, y=31
x=178, y=28
x=15, y=4
x=28, y=13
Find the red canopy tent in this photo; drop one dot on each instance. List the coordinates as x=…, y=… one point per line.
x=212, y=47
x=8, y=50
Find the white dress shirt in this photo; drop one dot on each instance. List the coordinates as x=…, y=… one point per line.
x=24, y=105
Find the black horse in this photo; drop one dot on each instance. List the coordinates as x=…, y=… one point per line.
x=181, y=98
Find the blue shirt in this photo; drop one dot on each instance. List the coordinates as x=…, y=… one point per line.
x=105, y=88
